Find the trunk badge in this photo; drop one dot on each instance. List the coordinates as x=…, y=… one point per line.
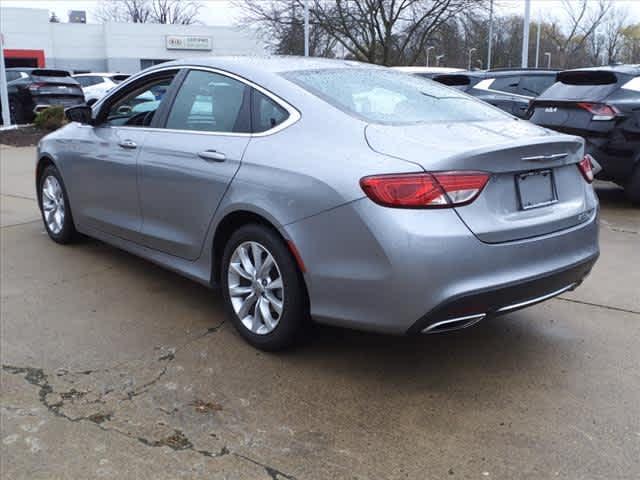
x=551, y=109
x=537, y=158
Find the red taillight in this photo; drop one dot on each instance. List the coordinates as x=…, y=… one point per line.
x=600, y=111
x=585, y=168
x=424, y=190
x=35, y=86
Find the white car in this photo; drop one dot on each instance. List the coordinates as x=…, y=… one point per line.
x=428, y=72
x=95, y=85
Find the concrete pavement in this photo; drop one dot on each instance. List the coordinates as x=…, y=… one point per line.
x=115, y=368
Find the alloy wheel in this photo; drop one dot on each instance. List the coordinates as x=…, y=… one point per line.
x=255, y=287
x=53, y=204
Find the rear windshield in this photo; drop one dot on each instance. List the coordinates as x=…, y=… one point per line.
x=593, y=85
x=385, y=96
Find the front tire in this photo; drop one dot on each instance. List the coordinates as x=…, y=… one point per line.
x=55, y=207
x=263, y=289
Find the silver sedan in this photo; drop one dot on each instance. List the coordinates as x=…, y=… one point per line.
x=327, y=190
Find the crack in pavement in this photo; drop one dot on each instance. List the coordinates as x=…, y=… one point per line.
x=13, y=195
x=606, y=307
x=177, y=440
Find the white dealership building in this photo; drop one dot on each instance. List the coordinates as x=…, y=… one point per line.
x=31, y=40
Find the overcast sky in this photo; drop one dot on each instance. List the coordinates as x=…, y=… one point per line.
x=221, y=12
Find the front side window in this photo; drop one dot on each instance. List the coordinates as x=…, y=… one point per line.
x=385, y=96
x=266, y=113
x=138, y=106
x=210, y=102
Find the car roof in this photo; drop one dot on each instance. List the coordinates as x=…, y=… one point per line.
x=98, y=74
x=428, y=69
x=266, y=64
x=628, y=69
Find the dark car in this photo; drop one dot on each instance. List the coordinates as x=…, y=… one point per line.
x=511, y=90
x=33, y=89
x=602, y=105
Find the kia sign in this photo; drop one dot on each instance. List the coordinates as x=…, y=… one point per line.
x=188, y=42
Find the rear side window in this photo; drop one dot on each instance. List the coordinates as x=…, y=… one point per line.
x=506, y=84
x=211, y=102
x=385, y=96
x=534, y=85
x=266, y=114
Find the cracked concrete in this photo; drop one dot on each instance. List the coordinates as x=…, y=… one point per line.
x=114, y=368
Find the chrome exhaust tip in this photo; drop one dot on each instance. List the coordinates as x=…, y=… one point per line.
x=454, y=323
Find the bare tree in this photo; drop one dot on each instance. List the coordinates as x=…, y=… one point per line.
x=613, y=33
x=281, y=25
x=583, y=18
x=184, y=12
x=377, y=31
x=181, y=12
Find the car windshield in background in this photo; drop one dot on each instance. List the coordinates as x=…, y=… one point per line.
x=390, y=97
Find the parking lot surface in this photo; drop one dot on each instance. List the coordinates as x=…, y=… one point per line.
x=115, y=368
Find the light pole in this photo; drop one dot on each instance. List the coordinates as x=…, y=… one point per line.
x=429, y=49
x=538, y=38
x=525, y=34
x=548, y=55
x=4, y=95
x=490, y=35
x=438, y=57
x=471, y=50
x=306, y=28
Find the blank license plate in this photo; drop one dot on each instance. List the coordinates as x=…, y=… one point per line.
x=536, y=189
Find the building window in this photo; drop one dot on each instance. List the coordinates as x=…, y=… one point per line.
x=150, y=62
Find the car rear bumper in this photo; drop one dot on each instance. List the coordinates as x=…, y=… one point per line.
x=469, y=308
x=401, y=271
x=617, y=167
x=43, y=102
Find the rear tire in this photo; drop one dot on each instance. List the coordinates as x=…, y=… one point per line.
x=632, y=188
x=55, y=207
x=268, y=306
x=16, y=114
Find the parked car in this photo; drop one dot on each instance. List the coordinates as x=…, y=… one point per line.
x=95, y=85
x=428, y=72
x=33, y=89
x=510, y=90
x=602, y=105
x=338, y=191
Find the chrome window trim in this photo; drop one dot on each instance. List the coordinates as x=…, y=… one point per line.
x=294, y=114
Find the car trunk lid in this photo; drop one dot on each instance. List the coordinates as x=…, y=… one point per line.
x=535, y=186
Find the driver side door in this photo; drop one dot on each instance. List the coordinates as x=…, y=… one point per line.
x=107, y=190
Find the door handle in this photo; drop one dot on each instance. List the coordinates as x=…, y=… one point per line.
x=212, y=155
x=129, y=144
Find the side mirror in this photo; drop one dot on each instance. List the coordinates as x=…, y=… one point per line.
x=79, y=113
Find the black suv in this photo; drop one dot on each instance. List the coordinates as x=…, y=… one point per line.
x=602, y=105
x=508, y=89
x=33, y=89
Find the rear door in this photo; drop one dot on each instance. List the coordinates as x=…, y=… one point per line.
x=188, y=162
